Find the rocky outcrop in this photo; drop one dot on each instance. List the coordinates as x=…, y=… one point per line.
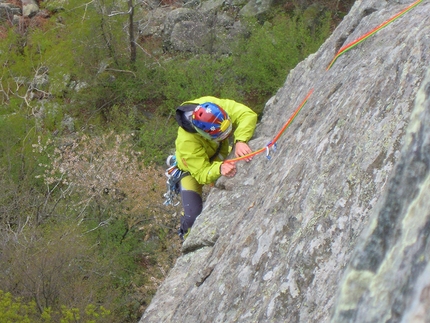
x=7, y=12
x=335, y=227
x=390, y=266
x=201, y=27
x=29, y=8
x=197, y=27
x=211, y=26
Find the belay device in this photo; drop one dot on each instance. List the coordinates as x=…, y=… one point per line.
x=174, y=176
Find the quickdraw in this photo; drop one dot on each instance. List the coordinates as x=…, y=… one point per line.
x=273, y=142
x=174, y=176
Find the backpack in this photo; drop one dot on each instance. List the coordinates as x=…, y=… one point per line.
x=182, y=119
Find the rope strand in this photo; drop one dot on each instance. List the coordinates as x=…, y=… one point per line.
x=370, y=33
x=341, y=51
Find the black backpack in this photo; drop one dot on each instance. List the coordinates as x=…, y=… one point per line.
x=182, y=120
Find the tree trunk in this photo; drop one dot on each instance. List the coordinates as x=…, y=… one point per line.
x=131, y=32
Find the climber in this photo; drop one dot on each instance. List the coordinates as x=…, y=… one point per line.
x=203, y=142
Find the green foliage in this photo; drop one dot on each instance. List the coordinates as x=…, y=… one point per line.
x=256, y=69
x=120, y=246
x=99, y=184
x=190, y=77
x=47, y=49
x=16, y=310
x=54, y=271
x=13, y=310
x=18, y=134
x=138, y=97
x=156, y=137
x=263, y=61
x=85, y=210
x=271, y=54
x=30, y=58
x=119, y=250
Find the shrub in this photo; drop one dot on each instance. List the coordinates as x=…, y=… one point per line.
x=16, y=310
x=116, y=201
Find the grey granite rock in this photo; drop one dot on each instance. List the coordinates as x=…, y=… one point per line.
x=335, y=227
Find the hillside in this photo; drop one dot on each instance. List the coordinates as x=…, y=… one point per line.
x=87, y=91
x=335, y=226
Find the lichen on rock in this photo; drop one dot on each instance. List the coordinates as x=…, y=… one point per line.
x=335, y=227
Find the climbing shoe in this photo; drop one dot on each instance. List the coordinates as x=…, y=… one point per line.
x=183, y=235
x=187, y=233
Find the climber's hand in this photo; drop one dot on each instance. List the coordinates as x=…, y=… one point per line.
x=228, y=169
x=242, y=149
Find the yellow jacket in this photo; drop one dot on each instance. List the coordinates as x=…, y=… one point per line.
x=194, y=152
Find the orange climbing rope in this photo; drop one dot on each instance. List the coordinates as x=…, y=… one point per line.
x=341, y=51
x=370, y=33
x=273, y=142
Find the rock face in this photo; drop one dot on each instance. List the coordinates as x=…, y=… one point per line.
x=335, y=227
x=7, y=12
x=29, y=8
x=210, y=26
x=199, y=28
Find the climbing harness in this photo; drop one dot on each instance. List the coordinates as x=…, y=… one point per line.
x=174, y=176
x=339, y=53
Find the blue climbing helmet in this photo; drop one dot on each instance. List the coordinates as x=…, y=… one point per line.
x=211, y=121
